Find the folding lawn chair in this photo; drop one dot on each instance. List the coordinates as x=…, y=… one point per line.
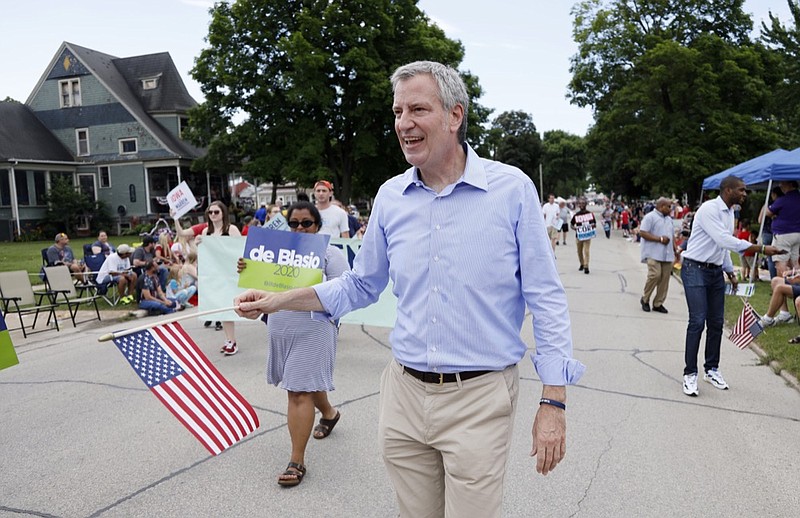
x=60, y=281
x=17, y=296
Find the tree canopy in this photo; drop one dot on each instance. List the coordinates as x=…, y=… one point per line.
x=678, y=88
x=298, y=90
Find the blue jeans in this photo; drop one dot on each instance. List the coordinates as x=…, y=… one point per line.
x=705, y=297
x=157, y=308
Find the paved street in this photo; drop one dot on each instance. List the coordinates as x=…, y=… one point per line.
x=80, y=436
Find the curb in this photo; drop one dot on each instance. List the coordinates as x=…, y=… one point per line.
x=790, y=379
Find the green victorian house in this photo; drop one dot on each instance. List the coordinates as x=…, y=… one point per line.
x=112, y=126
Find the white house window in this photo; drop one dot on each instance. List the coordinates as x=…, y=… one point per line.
x=150, y=83
x=70, y=90
x=82, y=141
x=104, y=172
x=128, y=146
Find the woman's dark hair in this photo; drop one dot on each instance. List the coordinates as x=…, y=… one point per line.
x=305, y=205
x=226, y=222
x=777, y=192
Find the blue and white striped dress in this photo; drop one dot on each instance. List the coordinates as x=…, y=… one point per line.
x=302, y=344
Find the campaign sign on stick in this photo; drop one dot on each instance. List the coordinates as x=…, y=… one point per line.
x=278, y=222
x=586, y=232
x=280, y=261
x=181, y=200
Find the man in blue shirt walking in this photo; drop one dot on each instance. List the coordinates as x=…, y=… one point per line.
x=449, y=395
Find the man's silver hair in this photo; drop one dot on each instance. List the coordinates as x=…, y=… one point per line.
x=452, y=90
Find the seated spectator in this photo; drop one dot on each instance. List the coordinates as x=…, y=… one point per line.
x=787, y=285
x=152, y=297
x=61, y=253
x=182, y=247
x=180, y=286
x=163, y=250
x=144, y=253
x=117, y=269
x=102, y=246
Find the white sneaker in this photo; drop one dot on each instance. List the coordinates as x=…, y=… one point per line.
x=715, y=378
x=784, y=317
x=767, y=321
x=690, y=384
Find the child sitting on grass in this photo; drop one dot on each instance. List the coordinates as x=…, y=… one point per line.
x=180, y=285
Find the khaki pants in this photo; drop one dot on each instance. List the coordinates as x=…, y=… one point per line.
x=658, y=274
x=445, y=446
x=583, y=252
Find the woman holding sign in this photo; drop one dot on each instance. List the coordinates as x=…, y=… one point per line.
x=302, y=352
x=219, y=224
x=584, y=224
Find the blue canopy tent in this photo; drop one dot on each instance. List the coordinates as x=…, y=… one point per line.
x=751, y=172
x=775, y=166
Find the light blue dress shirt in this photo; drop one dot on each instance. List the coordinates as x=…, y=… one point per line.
x=464, y=263
x=712, y=237
x=658, y=224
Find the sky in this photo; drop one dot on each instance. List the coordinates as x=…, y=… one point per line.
x=519, y=49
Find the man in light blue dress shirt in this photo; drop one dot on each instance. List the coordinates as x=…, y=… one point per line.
x=707, y=256
x=658, y=252
x=463, y=240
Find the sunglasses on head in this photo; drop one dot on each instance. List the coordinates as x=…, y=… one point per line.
x=215, y=212
x=306, y=223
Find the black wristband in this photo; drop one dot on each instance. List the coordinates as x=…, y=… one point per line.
x=559, y=404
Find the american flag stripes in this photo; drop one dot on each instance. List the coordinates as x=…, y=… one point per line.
x=747, y=327
x=181, y=377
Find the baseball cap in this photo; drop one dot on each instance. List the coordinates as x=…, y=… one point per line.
x=324, y=183
x=61, y=236
x=146, y=240
x=123, y=249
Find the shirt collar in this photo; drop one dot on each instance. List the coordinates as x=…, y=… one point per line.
x=721, y=205
x=474, y=173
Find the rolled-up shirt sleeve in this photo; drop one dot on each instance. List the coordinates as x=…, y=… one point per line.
x=545, y=297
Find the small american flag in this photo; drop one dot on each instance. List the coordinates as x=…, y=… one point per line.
x=747, y=327
x=182, y=378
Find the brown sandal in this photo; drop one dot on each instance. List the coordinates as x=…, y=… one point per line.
x=298, y=471
x=325, y=426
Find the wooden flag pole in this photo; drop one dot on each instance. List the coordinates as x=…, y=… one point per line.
x=117, y=334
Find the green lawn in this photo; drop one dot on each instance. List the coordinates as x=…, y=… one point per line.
x=774, y=340
x=28, y=256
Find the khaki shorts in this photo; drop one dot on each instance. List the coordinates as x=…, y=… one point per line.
x=789, y=242
x=552, y=232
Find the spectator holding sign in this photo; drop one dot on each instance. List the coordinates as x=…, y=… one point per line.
x=302, y=353
x=584, y=224
x=219, y=225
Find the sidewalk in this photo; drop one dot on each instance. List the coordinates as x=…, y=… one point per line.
x=82, y=437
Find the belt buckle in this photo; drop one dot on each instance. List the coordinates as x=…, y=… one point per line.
x=441, y=379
